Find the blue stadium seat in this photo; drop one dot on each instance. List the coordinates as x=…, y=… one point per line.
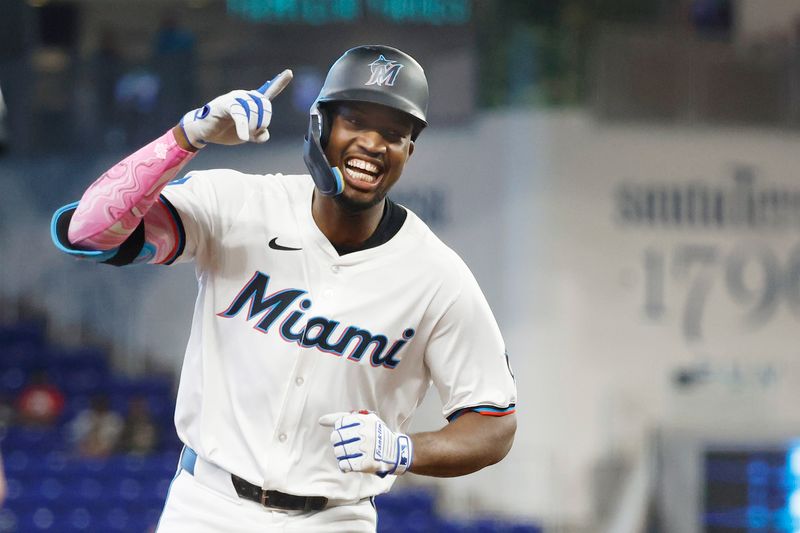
x=167, y=461
x=149, y=518
x=88, y=489
x=31, y=331
x=55, y=462
x=420, y=500
x=50, y=489
x=39, y=518
x=9, y=521
x=25, y=357
x=82, y=371
x=169, y=441
x=15, y=489
x=117, y=519
x=79, y=519
x=124, y=465
x=80, y=381
x=89, y=468
x=161, y=487
x=84, y=357
x=126, y=489
x=32, y=440
x=388, y=522
x=154, y=386
x=12, y=380
x=419, y=522
x=16, y=461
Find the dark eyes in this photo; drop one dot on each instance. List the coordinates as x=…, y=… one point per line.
x=392, y=136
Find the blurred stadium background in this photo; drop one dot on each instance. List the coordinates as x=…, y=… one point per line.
x=621, y=176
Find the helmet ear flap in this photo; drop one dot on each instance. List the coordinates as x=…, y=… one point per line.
x=326, y=123
x=328, y=180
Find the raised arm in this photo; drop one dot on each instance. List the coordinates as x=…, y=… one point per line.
x=113, y=206
x=122, y=212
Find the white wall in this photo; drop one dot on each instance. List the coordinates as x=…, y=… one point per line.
x=531, y=203
x=759, y=19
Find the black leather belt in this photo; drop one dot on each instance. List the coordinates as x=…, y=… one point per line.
x=267, y=498
x=277, y=499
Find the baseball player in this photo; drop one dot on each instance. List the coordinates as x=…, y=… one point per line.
x=324, y=309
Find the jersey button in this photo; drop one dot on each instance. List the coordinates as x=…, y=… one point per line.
x=282, y=437
x=299, y=381
x=335, y=269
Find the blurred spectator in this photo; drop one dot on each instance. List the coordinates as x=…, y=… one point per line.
x=40, y=403
x=7, y=413
x=136, y=100
x=95, y=431
x=140, y=434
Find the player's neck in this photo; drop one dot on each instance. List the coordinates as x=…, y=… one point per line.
x=344, y=227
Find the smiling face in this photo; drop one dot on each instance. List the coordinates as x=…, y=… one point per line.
x=369, y=144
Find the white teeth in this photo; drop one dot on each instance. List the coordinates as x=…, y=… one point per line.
x=364, y=165
x=360, y=175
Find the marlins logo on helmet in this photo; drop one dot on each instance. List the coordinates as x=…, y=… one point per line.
x=384, y=71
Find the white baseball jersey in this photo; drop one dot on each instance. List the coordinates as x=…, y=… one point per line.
x=287, y=332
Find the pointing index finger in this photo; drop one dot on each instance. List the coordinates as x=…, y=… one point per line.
x=273, y=87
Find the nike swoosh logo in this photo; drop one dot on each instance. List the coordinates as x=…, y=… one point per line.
x=275, y=246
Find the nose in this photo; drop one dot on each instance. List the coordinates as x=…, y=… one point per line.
x=371, y=141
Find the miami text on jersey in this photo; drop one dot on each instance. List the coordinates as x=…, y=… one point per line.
x=318, y=331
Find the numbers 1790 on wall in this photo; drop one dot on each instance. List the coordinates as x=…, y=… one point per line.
x=755, y=280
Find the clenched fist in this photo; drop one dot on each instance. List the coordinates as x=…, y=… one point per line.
x=362, y=442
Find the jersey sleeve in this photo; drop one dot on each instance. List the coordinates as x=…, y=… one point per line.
x=203, y=206
x=467, y=358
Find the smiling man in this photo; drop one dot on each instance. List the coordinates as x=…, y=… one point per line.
x=294, y=414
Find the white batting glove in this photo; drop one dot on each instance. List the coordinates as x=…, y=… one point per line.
x=235, y=118
x=362, y=442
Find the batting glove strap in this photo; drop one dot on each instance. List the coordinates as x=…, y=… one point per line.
x=399, y=453
x=190, y=118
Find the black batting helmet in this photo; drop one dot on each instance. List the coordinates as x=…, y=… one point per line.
x=373, y=73
x=379, y=75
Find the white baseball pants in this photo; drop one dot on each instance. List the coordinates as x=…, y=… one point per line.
x=206, y=502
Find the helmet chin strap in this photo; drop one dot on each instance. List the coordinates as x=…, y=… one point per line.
x=328, y=179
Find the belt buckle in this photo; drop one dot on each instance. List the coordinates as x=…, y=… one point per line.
x=264, y=497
